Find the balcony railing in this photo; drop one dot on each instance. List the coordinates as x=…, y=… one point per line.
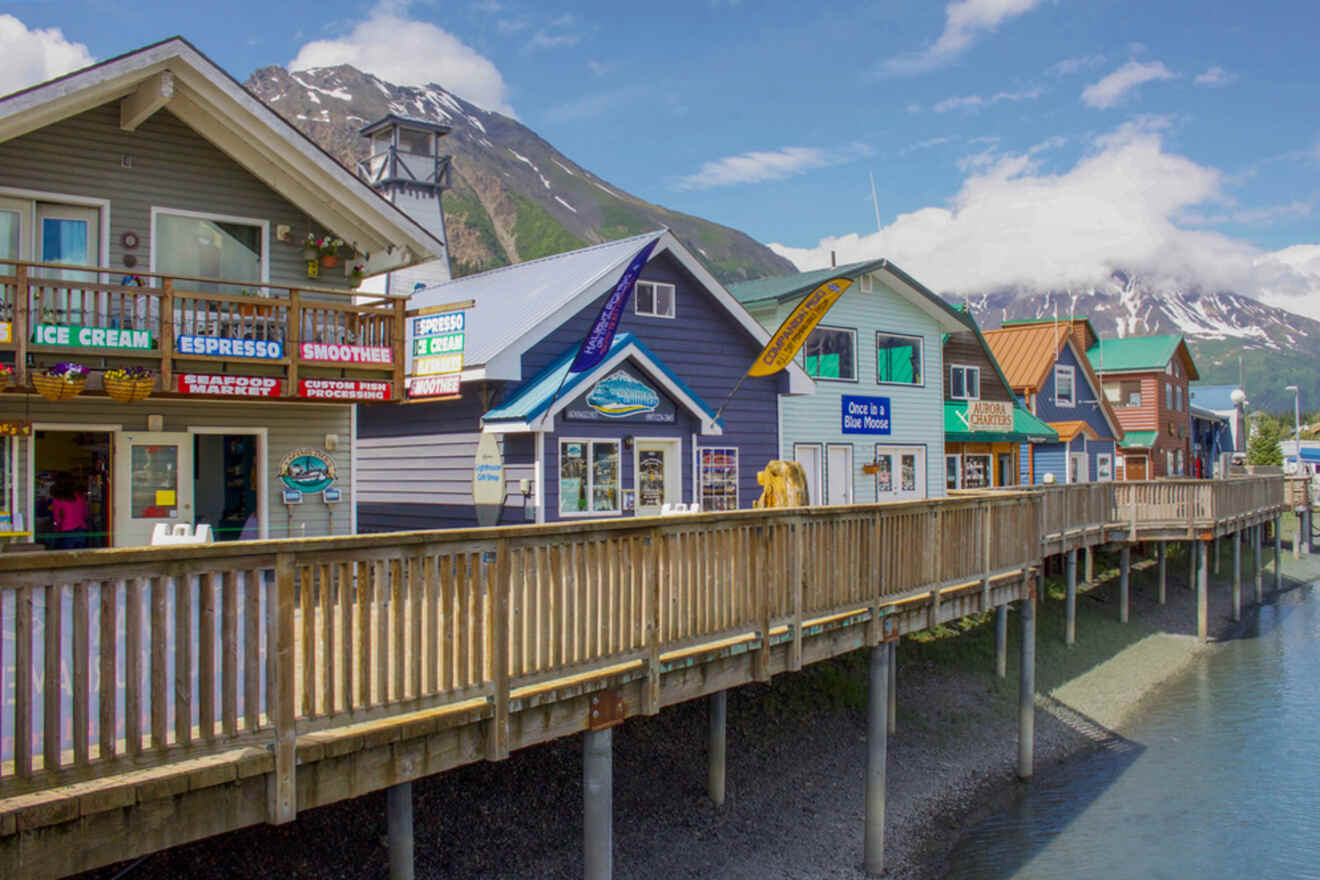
x=56, y=312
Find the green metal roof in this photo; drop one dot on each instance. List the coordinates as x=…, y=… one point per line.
x=1133, y=353
x=784, y=286
x=1138, y=439
x=1026, y=428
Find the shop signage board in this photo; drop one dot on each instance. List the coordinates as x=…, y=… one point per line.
x=229, y=385
x=435, y=354
x=229, y=347
x=989, y=415
x=346, y=354
x=92, y=337
x=433, y=386
x=864, y=415
x=308, y=470
x=344, y=389
x=623, y=396
x=6, y=331
x=488, y=481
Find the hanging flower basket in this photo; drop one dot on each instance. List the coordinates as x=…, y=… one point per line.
x=63, y=381
x=6, y=375
x=329, y=261
x=129, y=384
x=310, y=253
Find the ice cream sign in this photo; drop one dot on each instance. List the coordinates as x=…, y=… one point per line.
x=91, y=337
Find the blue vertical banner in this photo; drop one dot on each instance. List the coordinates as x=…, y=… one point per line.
x=601, y=335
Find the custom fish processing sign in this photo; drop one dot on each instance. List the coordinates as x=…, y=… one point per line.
x=488, y=481
x=435, y=354
x=864, y=415
x=92, y=337
x=623, y=396
x=308, y=470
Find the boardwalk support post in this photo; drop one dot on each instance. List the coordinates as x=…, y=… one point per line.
x=1070, y=609
x=1124, y=579
x=1214, y=548
x=598, y=804
x=877, y=743
x=1203, y=592
x=1001, y=640
x=1260, y=578
x=399, y=816
x=1237, y=576
x=1164, y=571
x=1278, y=553
x=1191, y=565
x=280, y=598
x=1027, y=689
x=893, y=687
x=719, y=712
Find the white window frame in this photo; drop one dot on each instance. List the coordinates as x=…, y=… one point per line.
x=1071, y=373
x=866, y=283
x=33, y=196
x=850, y=330
x=921, y=341
x=898, y=450
x=590, y=443
x=219, y=218
x=656, y=285
x=737, y=475
x=956, y=460
x=967, y=370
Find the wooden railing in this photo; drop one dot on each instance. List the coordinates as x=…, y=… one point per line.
x=1196, y=505
x=1297, y=492
x=160, y=654
x=207, y=310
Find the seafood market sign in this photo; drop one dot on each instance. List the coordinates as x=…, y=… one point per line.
x=308, y=470
x=622, y=396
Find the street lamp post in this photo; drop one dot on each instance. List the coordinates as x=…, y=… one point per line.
x=1297, y=420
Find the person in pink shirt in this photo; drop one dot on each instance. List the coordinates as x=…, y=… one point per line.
x=68, y=507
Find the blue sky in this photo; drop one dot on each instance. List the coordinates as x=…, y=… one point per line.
x=1010, y=140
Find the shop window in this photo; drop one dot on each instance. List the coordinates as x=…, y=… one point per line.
x=1007, y=473
x=1123, y=393
x=898, y=359
x=719, y=478
x=831, y=353
x=1065, y=391
x=976, y=472
x=1181, y=463
x=654, y=298
x=952, y=471
x=867, y=283
x=588, y=476
x=964, y=382
x=1104, y=467
x=418, y=143
x=199, y=246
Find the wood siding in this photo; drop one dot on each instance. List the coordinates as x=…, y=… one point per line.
x=288, y=426
x=917, y=410
x=1155, y=415
x=163, y=164
x=964, y=349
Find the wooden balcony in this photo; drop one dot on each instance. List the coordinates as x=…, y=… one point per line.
x=203, y=335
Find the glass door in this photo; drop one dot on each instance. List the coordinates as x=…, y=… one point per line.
x=15, y=244
x=153, y=484
x=657, y=475
x=901, y=472
x=67, y=234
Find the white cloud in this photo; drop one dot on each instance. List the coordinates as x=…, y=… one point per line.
x=924, y=145
x=1012, y=223
x=34, y=56
x=598, y=68
x=1069, y=66
x=973, y=101
x=1215, y=76
x=758, y=167
x=1110, y=90
x=964, y=21
x=409, y=52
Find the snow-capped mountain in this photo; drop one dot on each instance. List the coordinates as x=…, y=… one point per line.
x=1276, y=347
x=514, y=197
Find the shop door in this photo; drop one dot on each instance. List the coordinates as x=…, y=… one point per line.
x=153, y=484
x=900, y=473
x=657, y=475
x=839, y=475
x=1077, y=470
x=15, y=237
x=67, y=234
x=1136, y=468
x=808, y=455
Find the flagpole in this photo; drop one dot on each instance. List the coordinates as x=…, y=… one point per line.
x=731, y=393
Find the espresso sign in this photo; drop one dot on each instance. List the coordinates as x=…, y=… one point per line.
x=229, y=386
x=989, y=415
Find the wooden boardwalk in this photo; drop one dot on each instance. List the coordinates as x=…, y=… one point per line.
x=161, y=695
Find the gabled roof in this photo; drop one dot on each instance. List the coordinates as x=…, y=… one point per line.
x=173, y=75
x=786, y=287
x=515, y=307
x=1082, y=327
x=1068, y=430
x=1141, y=354
x=970, y=320
x=536, y=402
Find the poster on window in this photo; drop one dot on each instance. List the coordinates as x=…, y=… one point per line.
x=719, y=479
x=909, y=473
x=651, y=477
x=884, y=474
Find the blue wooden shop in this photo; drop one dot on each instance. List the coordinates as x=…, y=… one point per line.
x=635, y=433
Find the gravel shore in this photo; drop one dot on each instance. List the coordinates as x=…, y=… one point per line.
x=797, y=754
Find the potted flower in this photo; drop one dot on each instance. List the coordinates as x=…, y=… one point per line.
x=311, y=248
x=129, y=384
x=6, y=374
x=63, y=381
x=355, y=277
x=325, y=246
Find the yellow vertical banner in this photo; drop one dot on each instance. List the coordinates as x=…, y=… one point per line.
x=791, y=335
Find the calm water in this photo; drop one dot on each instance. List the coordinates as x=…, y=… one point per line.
x=1220, y=778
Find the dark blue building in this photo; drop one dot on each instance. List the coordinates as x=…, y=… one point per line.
x=636, y=432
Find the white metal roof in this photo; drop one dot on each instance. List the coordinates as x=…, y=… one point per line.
x=517, y=306
x=174, y=75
